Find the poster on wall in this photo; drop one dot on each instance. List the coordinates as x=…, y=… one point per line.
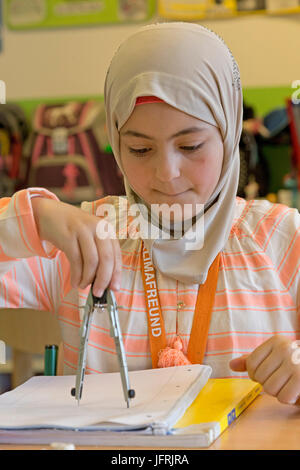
x=31, y=14
x=210, y=9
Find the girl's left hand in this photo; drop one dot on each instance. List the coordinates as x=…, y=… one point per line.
x=275, y=364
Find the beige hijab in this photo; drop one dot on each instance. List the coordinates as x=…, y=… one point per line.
x=190, y=68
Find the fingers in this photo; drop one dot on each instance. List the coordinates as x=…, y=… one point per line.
x=290, y=392
x=95, y=261
x=108, y=272
x=274, y=384
x=260, y=363
x=268, y=366
x=239, y=363
x=89, y=255
x=75, y=259
x=92, y=249
x=258, y=356
x=117, y=271
x=105, y=267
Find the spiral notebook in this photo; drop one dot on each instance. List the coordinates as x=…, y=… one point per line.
x=43, y=408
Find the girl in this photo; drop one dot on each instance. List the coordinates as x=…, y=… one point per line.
x=231, y=300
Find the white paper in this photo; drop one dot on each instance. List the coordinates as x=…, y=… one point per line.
x=162, y=396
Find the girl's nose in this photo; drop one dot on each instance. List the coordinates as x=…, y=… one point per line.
x=167, y=167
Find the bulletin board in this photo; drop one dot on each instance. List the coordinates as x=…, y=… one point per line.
x=32, y=14
x=190, y=10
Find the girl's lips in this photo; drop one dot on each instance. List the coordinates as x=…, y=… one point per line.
x=172, y=195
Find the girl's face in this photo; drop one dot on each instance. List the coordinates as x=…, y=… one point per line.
x=169, y=156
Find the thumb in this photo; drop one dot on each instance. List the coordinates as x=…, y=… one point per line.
x=239, y=363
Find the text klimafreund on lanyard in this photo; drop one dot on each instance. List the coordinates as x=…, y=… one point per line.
x=202, y=314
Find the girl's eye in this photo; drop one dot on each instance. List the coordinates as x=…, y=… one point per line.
x=138, y=150
x=192, y=149
x=187, y=149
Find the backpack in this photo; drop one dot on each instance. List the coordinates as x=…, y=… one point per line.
x=14, y=131
x=68, y=153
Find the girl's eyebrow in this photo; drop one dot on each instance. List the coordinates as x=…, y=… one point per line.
x=182, y=132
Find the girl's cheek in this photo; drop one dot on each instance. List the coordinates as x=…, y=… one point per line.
x=205, y=178
x=200, y=174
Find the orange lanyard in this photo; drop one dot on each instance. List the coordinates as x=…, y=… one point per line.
x=202, y=315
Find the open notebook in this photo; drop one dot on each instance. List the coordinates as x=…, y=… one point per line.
x=42, y=409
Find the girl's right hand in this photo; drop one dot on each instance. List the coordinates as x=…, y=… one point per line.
x=73, y=231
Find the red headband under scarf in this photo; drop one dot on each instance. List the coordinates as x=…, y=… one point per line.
x=147, y=99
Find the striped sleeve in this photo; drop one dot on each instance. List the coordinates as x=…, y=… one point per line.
x=30, y=269
x=277, y=230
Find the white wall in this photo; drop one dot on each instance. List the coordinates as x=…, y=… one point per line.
x=71, y=62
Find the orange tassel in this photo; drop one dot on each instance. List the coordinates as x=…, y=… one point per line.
x=172, y=356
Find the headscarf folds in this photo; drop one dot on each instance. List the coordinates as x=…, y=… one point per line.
x=190, y=68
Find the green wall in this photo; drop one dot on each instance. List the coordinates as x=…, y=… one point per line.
x=265, y=99
x=262, y=99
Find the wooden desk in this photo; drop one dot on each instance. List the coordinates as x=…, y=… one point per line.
x=264, y=425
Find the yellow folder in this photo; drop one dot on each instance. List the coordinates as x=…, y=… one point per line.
x=219, y=403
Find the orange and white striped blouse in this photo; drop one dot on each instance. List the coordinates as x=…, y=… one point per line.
x=257, y=296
